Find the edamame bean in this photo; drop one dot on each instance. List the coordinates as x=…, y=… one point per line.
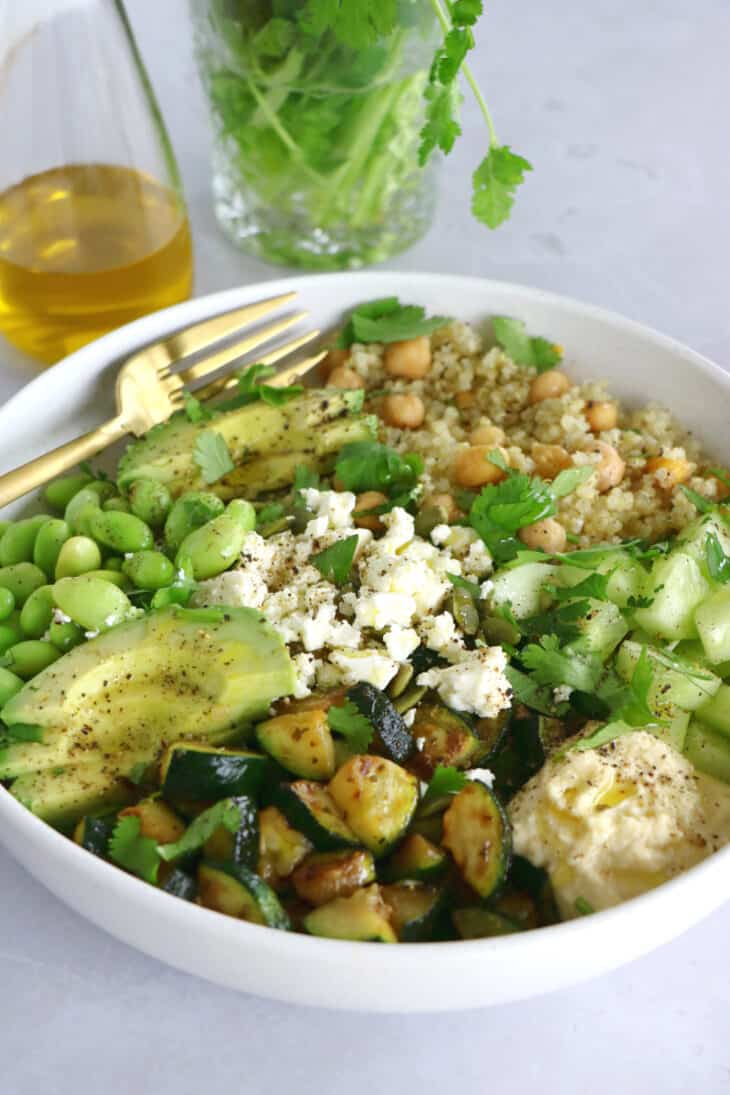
x=10, y=634
x=37, y=612
x=116, y=502
x=77, y=556
x=7, y=603
x=113, y=562
x=4, y=526
x=243, y=513
x=21, y=579
x=60, y=492
x=29, y=657
x=65, y=636
x=189, y=512
x=215, y=546
x=114, y=576
x=52, y=535
x=149, y=570
x=16, y=545
x=150, y=501
x=10, y=685
x=82, y=506
x=121, y=531
x=92, y=603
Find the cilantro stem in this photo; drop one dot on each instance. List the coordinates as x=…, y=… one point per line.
x=468, y=74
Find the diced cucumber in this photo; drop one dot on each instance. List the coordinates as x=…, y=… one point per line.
x=676, y=587
x=712, y=620
x=708, y=751
x=674, y=729
x=715, y=713
x=626, y=576
x=602, y=629
x=692, y=539
x=523, y=587
x=693, y=651
x=688, y=686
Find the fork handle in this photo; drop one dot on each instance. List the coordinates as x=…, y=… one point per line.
x=36, y=472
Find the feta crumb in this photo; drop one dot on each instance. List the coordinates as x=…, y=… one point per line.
x=400, y=642
x=364, y=665
x=486, y=589
x=482, y=775
x=477, y=683
x=440, y=534
x=305, y=667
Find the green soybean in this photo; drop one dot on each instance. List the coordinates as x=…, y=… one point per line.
x=150, y=501
x=77, y=556
x=113, y=562
x=10, y=685
x=149, y=570
x=242, y=513
x=7, y=603
x=93, y=603
x=21, y=579
x=116, y=577
x=215, y=546
x=81, y=507
x=4, y=526
x=65, y=636
x=30, y=656
x=121, y=531
x=189, y=512
x=60, y=492
x=52, y=535
x=116, y=502
x=10, y=634
x=37, y=612
x=16, y=545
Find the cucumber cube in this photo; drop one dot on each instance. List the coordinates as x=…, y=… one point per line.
x=692, y=539
x=713, y=624
x=688, y=687
x=708, y=751
x=602, y=629
x=626, y=576
x=676, y=586
x=715, y=713
x=523, y=588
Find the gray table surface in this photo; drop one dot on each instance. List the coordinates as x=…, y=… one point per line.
x=621, y=107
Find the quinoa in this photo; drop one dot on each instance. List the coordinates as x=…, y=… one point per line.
x=470, y=385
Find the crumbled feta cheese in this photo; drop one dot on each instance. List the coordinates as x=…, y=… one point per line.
x=336, y=506
x=381, y=610
x=477, y=560
x=486, y=589
x=305, y=667
x=439, y=632
x=477, y=683
x=482, y=775
x=440, y=534
x=400, y=530
x=400, y=642
x=365, y=665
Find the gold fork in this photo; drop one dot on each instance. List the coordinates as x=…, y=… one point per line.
x=148, y=391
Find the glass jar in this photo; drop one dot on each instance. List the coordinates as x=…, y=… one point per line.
x=315, y=143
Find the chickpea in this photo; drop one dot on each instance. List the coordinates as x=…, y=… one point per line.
x=369, y=500
x=343, y=377
x=335, y=359
x=466, y=399
x=610, y=468
x=487, y=435
x=410, y=358
x=669, y=471
x=404, y=411
x=601, y=415
x=473, y=469
x=549, y=385
x=447, y=503
x=550, y=460
x=547, y=535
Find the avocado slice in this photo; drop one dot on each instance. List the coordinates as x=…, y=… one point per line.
x=306, y=430
x=110, y=706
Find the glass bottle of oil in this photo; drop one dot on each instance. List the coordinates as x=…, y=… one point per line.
x=93, y=227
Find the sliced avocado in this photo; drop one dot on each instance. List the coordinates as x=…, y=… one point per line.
x=305, y=430
x=113, y=704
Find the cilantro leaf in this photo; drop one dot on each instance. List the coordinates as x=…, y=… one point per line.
x=594, y=586
x=441, y=127
x=226, y=813
x=388, y=320
x=528, y=691
x=495, y=181
x=718, y=563
x=602, y=736
x=445, y=780
x=269, y=513
x=194, y=409
x=277, y=397
x=368, y=465
x=472, y=588
x=512, y=336
x=636, y=710
x=305, y=477
x=335, y=562
x=354, y=23
x=552, y=667
x=212, y=456
x=502, y=509
x=132, y=851
x=559, y=621
x=701, y=504
x=274, y=38
x=583, y=907
x=352, y=724
x=565, y=482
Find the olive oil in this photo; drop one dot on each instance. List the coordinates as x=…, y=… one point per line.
x=84, y=249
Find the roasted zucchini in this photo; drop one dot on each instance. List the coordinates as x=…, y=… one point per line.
x=301, y=742
x=377, y=799
x=281, y=847
x=443, y=737
x=479, y=923
x=180, y=884
x=415, y=909
x=311, y=809
x=323, y=876
x=232, y=889
x=189, y=770
x=93, y=833
x=392, y=737
x=241, y=846
x=363, y=916
x=477, y=833
x=416, y=858
x=157, y=820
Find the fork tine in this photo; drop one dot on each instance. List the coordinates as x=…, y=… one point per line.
x=232, y=353
x=270, y=358
x=193, y=339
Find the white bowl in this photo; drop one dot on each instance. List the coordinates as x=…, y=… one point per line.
x=74, y=395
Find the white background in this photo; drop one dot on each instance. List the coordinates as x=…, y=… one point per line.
x=621, y=106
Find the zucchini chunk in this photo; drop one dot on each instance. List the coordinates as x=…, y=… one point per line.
x=281, y=847
x=416, y=858
x=311, y=808
x=392, y=737
x=241, y=846
x=180, y=884
x=446, y=738
x=301, y=742
x=477, y=923
x=491, y=733
x=377, y=798
x=232, y=889
x=363, y=916
x=194, y=770
x=323, y=876
x=93, y=833
x=156, y=820
x=477, y=833
x=415, y=909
